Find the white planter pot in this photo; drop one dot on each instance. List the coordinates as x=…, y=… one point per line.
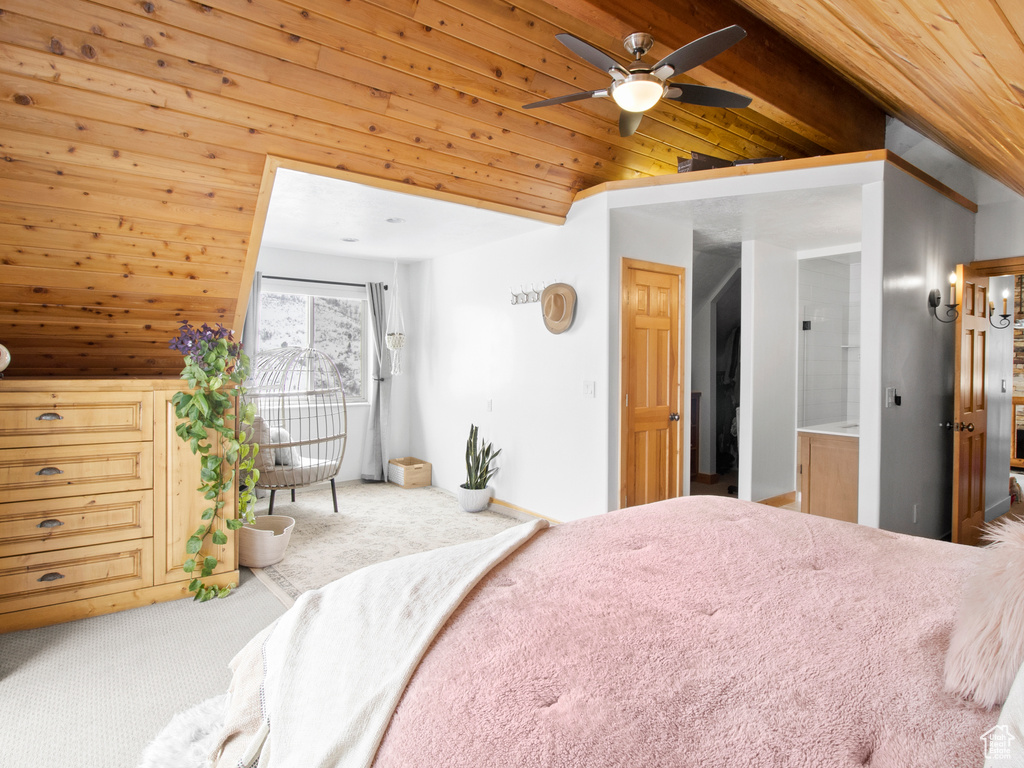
x=263, y=543
x=473, y=499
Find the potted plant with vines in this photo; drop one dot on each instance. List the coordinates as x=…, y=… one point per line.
x=474, y=495
x=216, y=366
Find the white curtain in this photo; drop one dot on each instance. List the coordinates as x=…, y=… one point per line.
x=375, y=447
x=250, y=330
x=250, y=336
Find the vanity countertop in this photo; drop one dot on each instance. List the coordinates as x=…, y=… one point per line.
x=841, y=428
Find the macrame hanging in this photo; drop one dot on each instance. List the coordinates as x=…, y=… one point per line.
x=395, y=334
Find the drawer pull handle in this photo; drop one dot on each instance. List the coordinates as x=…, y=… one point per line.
x=51, y=576
x=50, y=416
x=50, y=471
x=51, y=523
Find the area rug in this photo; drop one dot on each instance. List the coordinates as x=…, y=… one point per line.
x=375, y=522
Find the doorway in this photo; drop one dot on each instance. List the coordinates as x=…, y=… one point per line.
x=1005, y=388
x=652, y=362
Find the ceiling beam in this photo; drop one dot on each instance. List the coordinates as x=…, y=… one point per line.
x=788, y=85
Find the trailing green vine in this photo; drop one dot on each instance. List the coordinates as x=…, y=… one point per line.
x=216, y=367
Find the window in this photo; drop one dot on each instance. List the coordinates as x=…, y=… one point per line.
x=332, y=319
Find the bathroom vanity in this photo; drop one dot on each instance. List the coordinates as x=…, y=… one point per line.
x=827, y=470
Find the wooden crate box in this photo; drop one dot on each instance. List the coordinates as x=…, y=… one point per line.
x=409, y=472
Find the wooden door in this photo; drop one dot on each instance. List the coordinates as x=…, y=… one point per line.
x=969, y=442
x=652, y=373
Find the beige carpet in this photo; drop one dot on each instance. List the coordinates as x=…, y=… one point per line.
x=375, y=522
x=92, y=693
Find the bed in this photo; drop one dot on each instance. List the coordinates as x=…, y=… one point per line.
x=692, y=632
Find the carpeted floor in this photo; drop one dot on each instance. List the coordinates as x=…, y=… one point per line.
x=375, y=522
x=93, y=693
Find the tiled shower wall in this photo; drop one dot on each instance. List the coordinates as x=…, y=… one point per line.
x=829, y=353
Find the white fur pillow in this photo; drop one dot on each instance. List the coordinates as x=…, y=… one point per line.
x=259, y=433
x=987, y=646
x=285, y=455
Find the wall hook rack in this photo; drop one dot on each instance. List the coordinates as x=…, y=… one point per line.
x=526, y=295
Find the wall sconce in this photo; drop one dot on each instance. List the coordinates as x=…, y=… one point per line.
x=1005, y=315
x=935, y=299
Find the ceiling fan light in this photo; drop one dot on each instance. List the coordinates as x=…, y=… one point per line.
x=638, y=92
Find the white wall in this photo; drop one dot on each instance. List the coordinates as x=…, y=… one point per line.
x=869, y=491
x=853, y=346
x=999, y=402
x=469, y=346
x=768, y=372
x=925, y=235
x=317, y=266
x=824, y=352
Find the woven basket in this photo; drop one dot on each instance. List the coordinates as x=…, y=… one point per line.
x=263, y=543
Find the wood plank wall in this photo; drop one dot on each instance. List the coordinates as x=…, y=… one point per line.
x=134, y=134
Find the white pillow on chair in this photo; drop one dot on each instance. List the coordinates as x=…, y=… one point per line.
x=259, y=434
x=285, y=455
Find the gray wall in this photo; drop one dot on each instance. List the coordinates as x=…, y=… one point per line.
x=925, y=236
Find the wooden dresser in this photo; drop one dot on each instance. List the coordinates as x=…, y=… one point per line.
x=97, y=498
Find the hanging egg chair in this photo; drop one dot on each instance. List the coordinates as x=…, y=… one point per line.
x=301, y=419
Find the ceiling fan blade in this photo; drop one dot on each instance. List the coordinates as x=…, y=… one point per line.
x=628, y=122
x=566, y=99
x=704, y=96
x=590, y=54
x=696, y=53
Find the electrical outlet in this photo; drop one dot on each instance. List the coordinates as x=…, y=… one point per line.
x=490, y=405
x=890, y=397
x=589, y=388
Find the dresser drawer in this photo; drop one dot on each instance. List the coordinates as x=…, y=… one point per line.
x=61, y=471
x=31, y=581
x=74, y=418
x=42, y=526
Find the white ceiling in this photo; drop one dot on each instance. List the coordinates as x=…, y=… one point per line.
x=798, y=220
x=314, y=214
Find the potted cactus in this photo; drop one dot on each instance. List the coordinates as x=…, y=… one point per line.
x=474, y=494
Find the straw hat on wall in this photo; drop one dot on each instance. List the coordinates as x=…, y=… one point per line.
x=558, y=303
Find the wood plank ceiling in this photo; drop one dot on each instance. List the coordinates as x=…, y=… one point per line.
x=952, y=69
x=134, y=132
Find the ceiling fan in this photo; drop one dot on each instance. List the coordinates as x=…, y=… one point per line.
x=636, y=87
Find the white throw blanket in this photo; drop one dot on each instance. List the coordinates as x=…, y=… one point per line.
x=337, y=663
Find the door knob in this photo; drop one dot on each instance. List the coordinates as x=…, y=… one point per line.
x=673, y=417
x=970, y=427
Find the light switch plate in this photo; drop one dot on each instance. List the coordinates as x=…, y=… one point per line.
x=890, y=397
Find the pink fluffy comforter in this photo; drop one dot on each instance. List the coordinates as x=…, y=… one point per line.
x=698, y=632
